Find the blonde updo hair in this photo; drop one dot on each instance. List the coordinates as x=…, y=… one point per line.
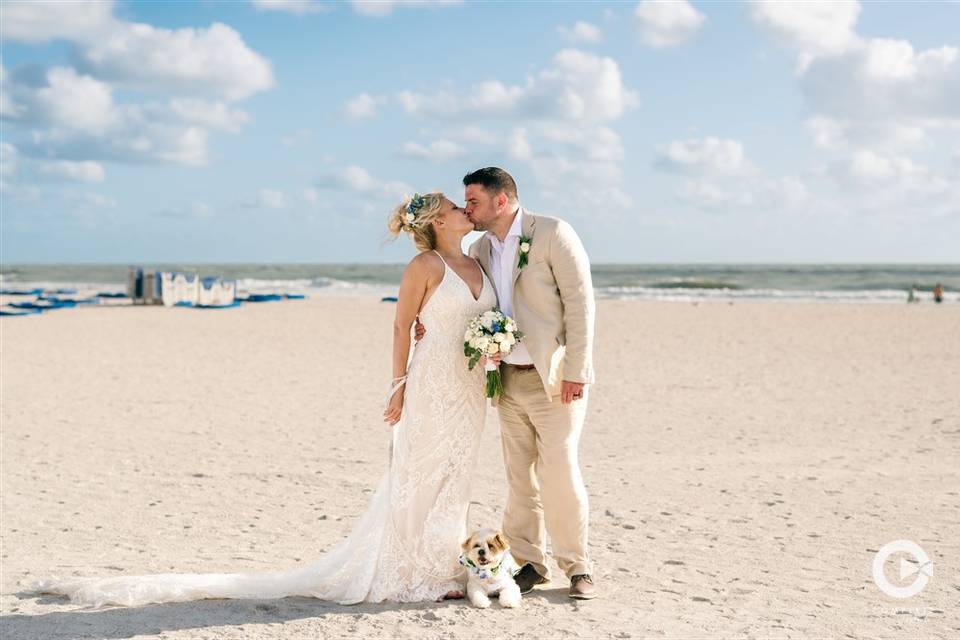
x=424, y=209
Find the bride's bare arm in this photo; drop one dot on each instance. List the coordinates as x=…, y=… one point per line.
x=413, y=289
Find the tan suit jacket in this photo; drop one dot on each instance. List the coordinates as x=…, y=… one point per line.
x=552, y=300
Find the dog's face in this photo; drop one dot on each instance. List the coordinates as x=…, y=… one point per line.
x=485, y=547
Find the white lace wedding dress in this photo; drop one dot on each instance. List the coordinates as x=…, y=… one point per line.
x=405, y=548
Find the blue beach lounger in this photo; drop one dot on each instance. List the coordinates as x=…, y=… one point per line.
x=262, y=297
x=20, y=292
x=28, y=312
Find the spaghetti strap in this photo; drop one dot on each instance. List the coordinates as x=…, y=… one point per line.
x=441, y=257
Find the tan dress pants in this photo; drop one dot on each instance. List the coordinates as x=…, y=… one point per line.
x=546, y=492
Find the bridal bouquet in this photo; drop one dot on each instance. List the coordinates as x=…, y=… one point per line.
x=488, y=334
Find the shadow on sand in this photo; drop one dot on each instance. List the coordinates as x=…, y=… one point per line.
x=123, y=622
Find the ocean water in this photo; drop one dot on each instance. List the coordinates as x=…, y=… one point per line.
x=676, y=282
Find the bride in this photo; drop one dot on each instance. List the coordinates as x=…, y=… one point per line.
x=405, y=548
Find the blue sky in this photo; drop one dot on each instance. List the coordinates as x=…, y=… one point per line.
x=663, y=131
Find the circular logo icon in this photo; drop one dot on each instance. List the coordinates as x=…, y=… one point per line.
x=921, y=568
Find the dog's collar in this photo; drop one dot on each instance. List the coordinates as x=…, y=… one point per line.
x=482, y=572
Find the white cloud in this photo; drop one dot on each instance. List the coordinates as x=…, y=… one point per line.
x=581, y=31
x=846, y=77
x=870, y=100
x=579, y=86
x=214, y=60
x=886, y=80
x=13, y=165
x=486, y=98
x=78, y=21
x=710, y=155
x=556, y=123
x=213, y=115
x=594, y=143
x=667, y=24
x=721, y=178
x=870, y=167
x=136, y=140
x=810, y=28
x=566, y=176
x=436, y=151
x=67, y=100
x=747, y=195
x=709, y=195
x=271, y=199
x=827, y=133
x=359, y=180
x=894, y=172
x=296, y=7
x=380, y=8
x=85, y=171
x=518, y=145
x=891, y=186
x=363, y=106
x=587, y=87
x=74, y=117
x=830, y=133
x=70, y=116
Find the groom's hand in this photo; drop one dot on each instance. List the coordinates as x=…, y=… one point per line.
x=571, y=391
x=418, y=331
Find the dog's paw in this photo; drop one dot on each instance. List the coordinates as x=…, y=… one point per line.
x=481, y=603
x=510, y=597
x=511, y=600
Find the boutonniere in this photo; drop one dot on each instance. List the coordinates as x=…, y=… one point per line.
x=524, y=251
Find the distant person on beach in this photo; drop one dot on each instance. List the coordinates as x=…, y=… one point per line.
x=938, y=293
x=912, y=294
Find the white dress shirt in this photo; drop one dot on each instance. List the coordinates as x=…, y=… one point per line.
x=503, y=256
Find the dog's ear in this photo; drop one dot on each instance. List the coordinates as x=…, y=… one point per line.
x=466, y=543
x=501, y=542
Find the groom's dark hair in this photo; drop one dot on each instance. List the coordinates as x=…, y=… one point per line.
x=493, y=180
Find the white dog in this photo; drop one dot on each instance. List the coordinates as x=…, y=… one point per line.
x=486, y=555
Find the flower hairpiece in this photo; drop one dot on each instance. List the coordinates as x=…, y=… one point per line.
x=413, y=208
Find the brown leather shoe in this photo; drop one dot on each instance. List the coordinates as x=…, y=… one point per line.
x=582, y=587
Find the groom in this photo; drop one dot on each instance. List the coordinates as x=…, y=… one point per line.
x=542, y=277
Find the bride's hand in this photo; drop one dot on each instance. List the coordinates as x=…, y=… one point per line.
x=392, y=413
x=495, y=359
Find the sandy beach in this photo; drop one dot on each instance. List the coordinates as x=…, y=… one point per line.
x=744, y=464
